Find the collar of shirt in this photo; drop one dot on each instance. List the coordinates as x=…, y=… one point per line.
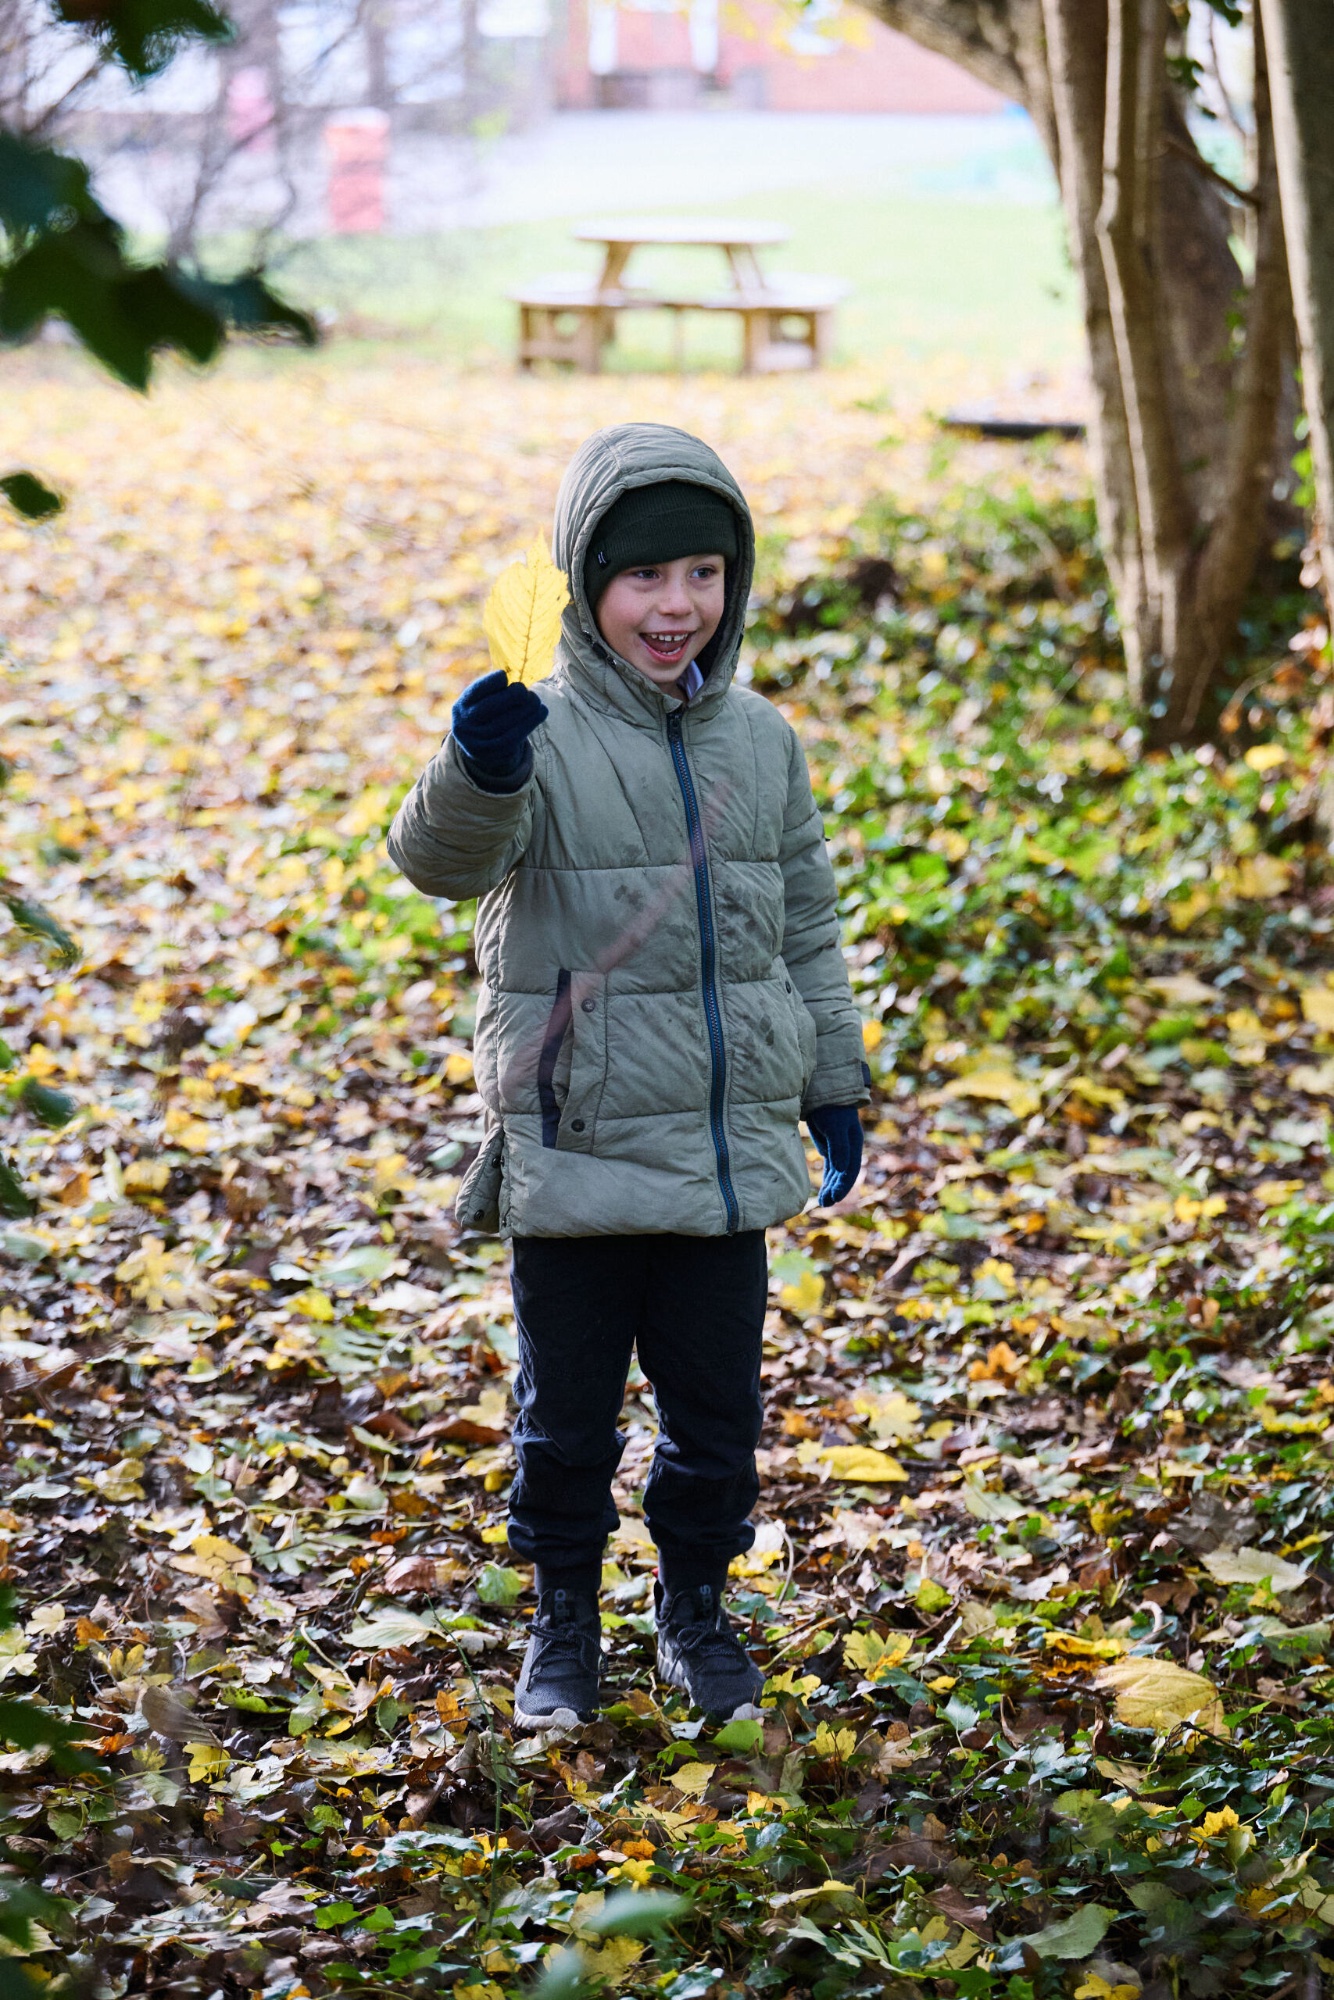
x=692, y=680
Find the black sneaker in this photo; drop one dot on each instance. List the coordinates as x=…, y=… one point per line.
x=699, y=1651
x=558, y=1684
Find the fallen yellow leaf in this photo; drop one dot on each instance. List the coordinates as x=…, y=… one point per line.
x=692, y=1779
x=1262, y=876
x=872, y=1656
x=892, y=1416
x=613, y=1959
x=315, y=1305
x=1214, y=1823
x=1157, y=1694
x=997, y=1085
x=207, y=1761
x=218, y=1561
x=1274, y=1193
x=860, y=1462
x=804, y=1295
x=1317, y=1007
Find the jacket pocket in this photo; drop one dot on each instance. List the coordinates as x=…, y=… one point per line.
x=477, y=1203
x=558, y=1026
x=804, y=1021
x=588, y=1063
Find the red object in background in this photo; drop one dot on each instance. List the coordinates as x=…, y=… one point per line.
x=358, y=147
x=250, y=111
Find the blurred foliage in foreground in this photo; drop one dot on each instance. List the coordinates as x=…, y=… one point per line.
x=1042, y=1581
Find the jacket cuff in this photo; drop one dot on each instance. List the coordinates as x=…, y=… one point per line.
x=497, y=782
x=836, y=1083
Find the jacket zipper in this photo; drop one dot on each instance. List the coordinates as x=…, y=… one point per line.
x=713, y=1017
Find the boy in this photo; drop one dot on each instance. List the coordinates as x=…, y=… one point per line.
x=663, y=997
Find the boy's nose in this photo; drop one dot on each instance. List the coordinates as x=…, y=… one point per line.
x=674, y=601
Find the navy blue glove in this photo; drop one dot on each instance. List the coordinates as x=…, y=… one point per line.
x=837, y=1131
x=491, y=724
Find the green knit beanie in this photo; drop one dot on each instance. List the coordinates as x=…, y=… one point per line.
x=657, y=524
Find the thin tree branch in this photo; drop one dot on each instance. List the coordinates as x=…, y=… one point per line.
x=1230, y=113
x=1202, y=166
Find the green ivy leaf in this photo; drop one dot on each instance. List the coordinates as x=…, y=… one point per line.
x=637, y=1913
x=30, y=496
x=37, y=922
x=1074, y=1937
x=26, y=1724
x=743, y=1738
x=14, y=1203
x=497, y=1585
x=53, y=1108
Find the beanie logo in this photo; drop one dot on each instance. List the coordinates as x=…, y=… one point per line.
x=602, y=558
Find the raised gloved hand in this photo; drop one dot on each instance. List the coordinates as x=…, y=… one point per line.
x=837, y=1131
x=491, y=724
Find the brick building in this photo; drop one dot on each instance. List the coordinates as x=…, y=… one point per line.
x=754, y=54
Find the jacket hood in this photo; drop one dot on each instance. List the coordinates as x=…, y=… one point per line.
x=606, y=465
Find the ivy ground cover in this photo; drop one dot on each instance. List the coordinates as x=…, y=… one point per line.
x=1042, y=1583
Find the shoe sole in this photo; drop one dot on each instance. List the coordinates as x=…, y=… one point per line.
x=559, y=1718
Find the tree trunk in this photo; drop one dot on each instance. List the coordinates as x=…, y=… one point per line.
x=1076, y=32
x=1300, y=36
x=1185, y=420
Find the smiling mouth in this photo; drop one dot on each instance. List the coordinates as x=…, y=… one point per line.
x=666, y=646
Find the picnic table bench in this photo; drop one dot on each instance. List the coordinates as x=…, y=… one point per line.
x=787, y=322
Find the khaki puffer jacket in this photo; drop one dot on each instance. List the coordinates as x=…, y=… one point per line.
x=663, y=987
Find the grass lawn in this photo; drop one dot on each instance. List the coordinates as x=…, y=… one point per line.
x=986, y=282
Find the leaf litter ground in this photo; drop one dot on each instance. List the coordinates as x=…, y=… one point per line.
x=1042, y=1581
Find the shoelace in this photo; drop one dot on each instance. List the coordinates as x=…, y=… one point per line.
x=714, y=1640
x=561, y=1639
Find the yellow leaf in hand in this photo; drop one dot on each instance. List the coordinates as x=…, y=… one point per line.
x=522, y=615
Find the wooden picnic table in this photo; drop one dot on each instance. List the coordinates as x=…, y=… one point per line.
x=738, y=242
x=787, y=322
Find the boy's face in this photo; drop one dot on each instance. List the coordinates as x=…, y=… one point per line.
x=661, y=616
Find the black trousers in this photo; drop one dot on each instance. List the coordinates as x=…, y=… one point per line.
x=694, y=1306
